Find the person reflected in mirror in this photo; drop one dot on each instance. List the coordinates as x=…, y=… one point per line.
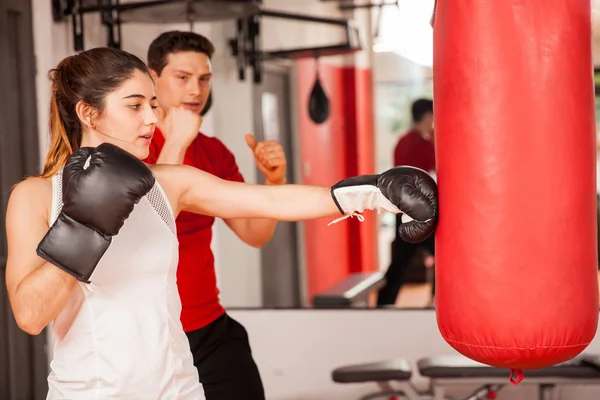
x=414, y=148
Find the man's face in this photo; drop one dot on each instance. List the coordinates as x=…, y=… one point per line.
x=428, y=122
x=185, y=80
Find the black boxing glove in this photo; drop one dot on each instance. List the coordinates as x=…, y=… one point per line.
x=100, y=187
x=407, y=190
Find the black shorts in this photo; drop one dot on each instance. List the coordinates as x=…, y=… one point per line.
x=224, y=361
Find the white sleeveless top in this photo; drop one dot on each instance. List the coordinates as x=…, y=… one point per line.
x=127, y=341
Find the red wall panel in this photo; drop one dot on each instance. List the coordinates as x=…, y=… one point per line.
x=342, y=146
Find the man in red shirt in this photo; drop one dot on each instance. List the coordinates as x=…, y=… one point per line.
x=180, y=63
x=415, y=148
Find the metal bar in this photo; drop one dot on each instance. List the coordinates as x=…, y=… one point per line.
x=106, y=15
x=239, y=49
x=346, y=7
x=124, y=7
x=264, y=13
x=303, y=17
x=110, y=20
x=77, y=23
x=352, y=35
x=309, y=52
x=115, y=28
x=119, y=31
x=61, y=9
x=254, y=36
x=546, y=391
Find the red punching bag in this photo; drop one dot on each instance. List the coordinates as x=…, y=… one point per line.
x=516, y=252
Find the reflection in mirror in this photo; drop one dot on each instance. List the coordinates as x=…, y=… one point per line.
x=399, y=83
x=290, y=276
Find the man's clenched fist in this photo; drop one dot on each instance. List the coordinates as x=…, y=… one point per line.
x=270, y=159
x=179, y=125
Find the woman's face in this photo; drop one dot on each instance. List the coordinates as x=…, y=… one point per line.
x=128, y=119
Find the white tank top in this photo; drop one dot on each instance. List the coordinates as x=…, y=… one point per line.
x=127, y=341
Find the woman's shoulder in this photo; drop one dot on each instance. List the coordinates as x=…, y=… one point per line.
x=33, y=190
x=171, y=177
x=165, y=173
x=168, y=178
x=34, y=185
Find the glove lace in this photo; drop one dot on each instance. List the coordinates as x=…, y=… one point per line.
x=358, y=216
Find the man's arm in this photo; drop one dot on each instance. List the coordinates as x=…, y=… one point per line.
x=253, y=232
x=270, y=160
x=172, y=153
x=179, y=127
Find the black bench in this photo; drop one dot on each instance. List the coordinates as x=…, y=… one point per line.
x=383, y=374
x=451, y=370
x=456, y=370
x=592, y=360
x=353, y=291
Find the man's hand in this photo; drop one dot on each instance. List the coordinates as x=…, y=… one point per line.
x=179, y=125
x=270, y=159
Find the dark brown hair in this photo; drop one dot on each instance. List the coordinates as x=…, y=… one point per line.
x=173, y=42
x=89, y=77
x=420, y=107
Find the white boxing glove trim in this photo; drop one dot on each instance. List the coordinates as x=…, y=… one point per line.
x=356, y=199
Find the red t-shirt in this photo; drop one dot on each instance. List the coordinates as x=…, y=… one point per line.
x=196, y=278
x=415, y=151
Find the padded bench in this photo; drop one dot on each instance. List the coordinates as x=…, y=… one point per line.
x=457, y=370
x=398, y=370
x=351, y=292
x=591, y=360
x=392, y=370
x=455, y=366
x=448, y=370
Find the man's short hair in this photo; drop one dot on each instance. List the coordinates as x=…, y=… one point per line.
x=173, y=42
x=421, y=107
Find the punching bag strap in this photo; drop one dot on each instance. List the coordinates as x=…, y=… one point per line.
x=516, y=376
x=432, y=20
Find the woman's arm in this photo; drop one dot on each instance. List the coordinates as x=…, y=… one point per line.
x=37, y=290
x=407, y=190
x=203, y=193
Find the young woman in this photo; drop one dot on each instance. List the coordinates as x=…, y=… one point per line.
x=92, y=246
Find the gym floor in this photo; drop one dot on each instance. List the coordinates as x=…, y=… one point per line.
x=414, y=296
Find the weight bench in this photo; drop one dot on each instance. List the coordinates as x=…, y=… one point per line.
x=351, y=292
x=453, y=370
x=592, y=360
x=456, y=370
x=398, y=370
